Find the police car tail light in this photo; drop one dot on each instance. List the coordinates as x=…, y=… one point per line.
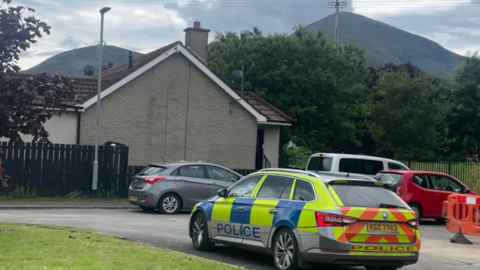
x=152, y=180
x=413, y=223
x=333, y=220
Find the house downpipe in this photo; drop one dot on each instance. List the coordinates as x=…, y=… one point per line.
x=79, y=124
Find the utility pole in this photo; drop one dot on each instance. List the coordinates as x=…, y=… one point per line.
x=99, y=90
x=337, y=5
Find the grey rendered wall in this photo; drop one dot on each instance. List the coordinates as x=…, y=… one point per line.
x=175, y=112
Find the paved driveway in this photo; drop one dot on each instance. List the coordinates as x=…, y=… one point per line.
x=171, y=232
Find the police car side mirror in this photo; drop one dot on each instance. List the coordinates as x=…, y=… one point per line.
x=222, y=193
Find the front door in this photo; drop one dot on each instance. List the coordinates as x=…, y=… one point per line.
x=193, y=184
x=228, y=214
x=259, y=152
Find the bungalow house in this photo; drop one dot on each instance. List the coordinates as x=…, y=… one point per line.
x=168, y=106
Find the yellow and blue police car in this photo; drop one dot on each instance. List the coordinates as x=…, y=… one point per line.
x=302, y=219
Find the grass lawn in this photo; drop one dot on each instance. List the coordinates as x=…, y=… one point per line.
x=26, y=247
x=59, y=199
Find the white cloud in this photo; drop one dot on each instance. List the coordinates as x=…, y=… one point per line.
x=380, y=8
x=144, y=25
x=459, y=30
x=77, y=23
x=30, y=61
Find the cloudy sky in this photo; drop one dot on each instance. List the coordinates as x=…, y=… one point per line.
x=145, y=25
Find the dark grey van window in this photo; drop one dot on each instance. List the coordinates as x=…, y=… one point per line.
x=323, y=164
x=395, y=166
x=273, y=187
x=361, y=166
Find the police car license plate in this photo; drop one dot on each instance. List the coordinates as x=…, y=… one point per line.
x=382, y=227
x=133, y=198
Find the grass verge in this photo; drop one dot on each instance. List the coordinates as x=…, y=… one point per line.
x=55, y=248
x=58, y=199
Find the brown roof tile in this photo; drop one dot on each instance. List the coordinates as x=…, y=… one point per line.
x=114, y=75
x=268, y=110
x=81, y=86
x=86, y=88
x=122, y=71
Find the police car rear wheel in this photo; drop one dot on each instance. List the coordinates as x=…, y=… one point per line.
x=285, y=250
x=200, y=238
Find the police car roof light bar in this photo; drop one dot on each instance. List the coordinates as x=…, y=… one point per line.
x=291, y=170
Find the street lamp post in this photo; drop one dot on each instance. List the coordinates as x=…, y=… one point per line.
x=99, y=90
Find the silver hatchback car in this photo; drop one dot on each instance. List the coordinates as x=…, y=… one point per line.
x=173, y=187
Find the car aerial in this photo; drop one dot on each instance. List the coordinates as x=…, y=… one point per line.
x=303, y=219
x=424, y=191
x=355, y=165
x=172, y=187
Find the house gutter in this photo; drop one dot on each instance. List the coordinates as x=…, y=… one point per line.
x=79, y=124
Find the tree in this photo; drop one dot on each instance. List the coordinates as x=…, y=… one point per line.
x=408, y=110
x=314, y=80
x=367, y=144
x=26, y=101
x=464, y=122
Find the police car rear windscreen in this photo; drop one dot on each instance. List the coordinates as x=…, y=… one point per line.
x=353, y=195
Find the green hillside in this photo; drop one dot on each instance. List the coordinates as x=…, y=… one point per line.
x=71, y=63
x=384, y=43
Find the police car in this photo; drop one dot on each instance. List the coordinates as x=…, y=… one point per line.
x=302, y=218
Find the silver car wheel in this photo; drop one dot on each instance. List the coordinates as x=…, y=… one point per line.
x=198, y=231
x=170, y=204
x=284, y=250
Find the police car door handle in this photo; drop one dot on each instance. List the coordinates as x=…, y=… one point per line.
x=272, y=211
x=240, y=208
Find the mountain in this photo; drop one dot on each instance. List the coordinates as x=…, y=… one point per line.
x=384, y=43
x=71, y=63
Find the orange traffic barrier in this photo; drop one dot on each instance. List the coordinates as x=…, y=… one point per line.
x=461, y=212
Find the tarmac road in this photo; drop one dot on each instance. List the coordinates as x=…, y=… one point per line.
x=171, y=232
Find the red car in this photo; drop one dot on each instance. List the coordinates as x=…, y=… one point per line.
x=424, y=191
